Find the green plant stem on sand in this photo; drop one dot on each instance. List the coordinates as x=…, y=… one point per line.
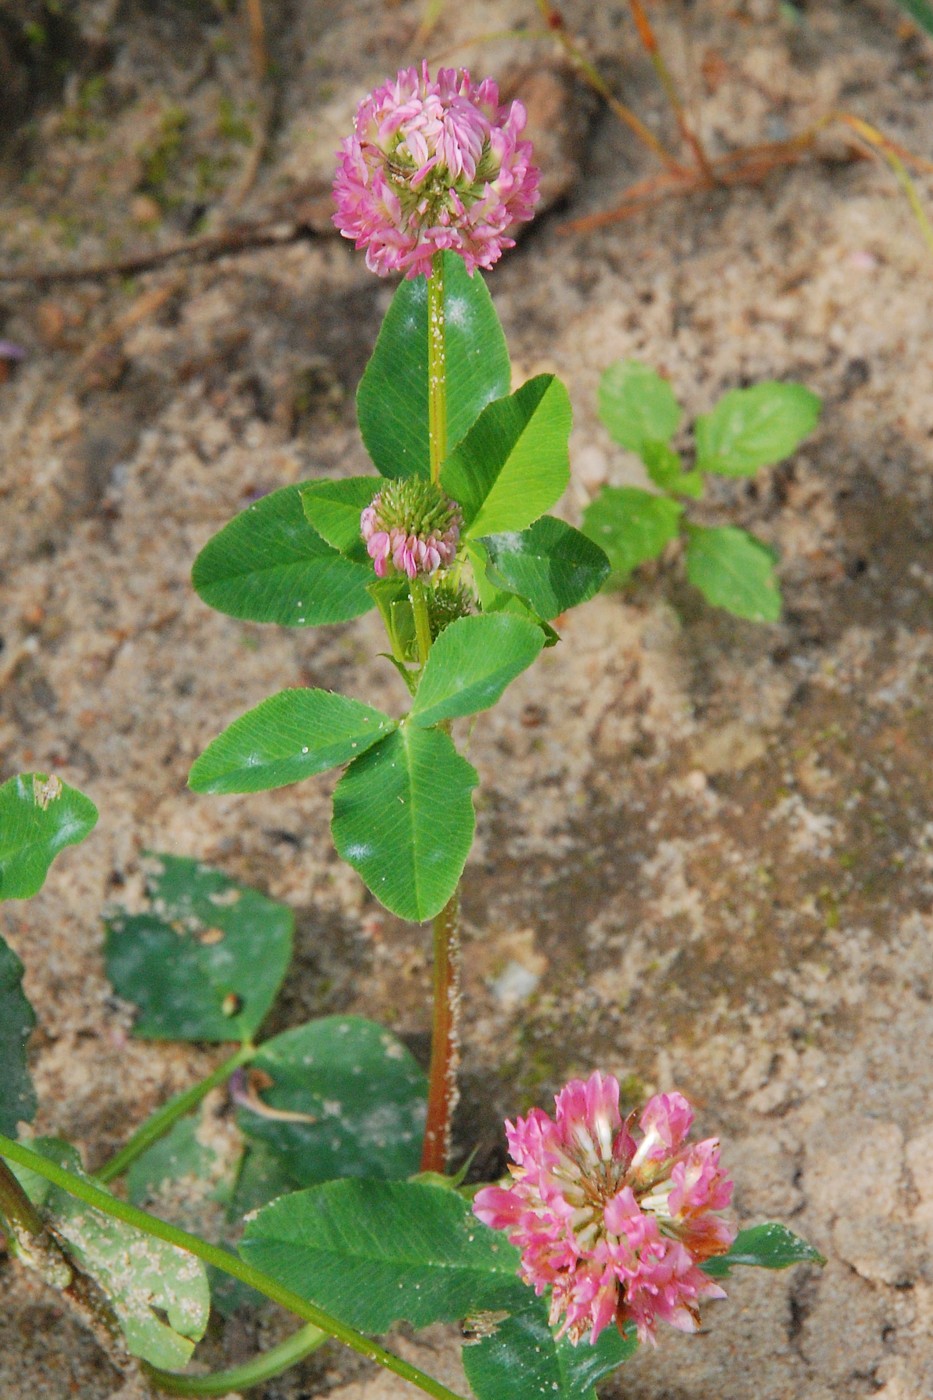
x=437, y=368
x=163, y=1119
x=99, y=1199
x=262, y=1368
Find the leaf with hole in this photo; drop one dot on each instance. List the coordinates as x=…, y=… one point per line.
x=734, y=571
x=631, y=526
x=756, y=427
x=392, y=401
x=377, y=1252
x=207, y=959
x=39, y=816
x=637, y=406
x=769, y=1246
x=403, y=818
x=333, y=509
x=551, y=564
x=290, y=736
x=158, y=1293
x=513, y=464
x=268, y=565
x=336, y=1097
x=519, y=1355
x=17, y=1018
x=470, y=665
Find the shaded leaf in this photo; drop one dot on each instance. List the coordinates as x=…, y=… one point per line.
x=734, y=571
x=494, y=599
x=158, y=1293
x=288, y=737
x=513, y=464
x=553, y=565
x=637, y=406
x=333, y=509
x=39, y=816
x=361, y=1087
x=268, y=565
x=17, y=1018
x=470, y=665
x=376, y=1252
x=206, y=961
x=631, y=526
x=519, y=1355
x=769, y=1246
x=392, y=401
x=756, y=427
x=403, y=818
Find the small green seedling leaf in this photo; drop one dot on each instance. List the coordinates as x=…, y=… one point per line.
x=769, y=1246
x=39, y=816
x=340, y=1096
x=377, y=1252
x=631, y=526
x=159, y=1294
x=392, y=401
x=207, y=960
x=637, y=406
x=17, y=1018
x=519, y=1355
x=333, y=509
x=470, y=665
x=552, y=565
x=403, y=818
x=756, y=427
x=269, y=565
x=288, y=737
x=734, y=571
x=513, y=464
x=665, y=468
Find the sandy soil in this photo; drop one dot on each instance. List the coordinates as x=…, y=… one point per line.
x=707, y=844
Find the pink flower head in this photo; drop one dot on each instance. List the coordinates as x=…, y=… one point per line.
x=616, y=1229
x=411, y=528
x=433, y=165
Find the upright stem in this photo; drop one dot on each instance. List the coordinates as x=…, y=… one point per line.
x=419, y=607
x=445, y=1038
x=162, y=1120
x=92, y=1195
x=437, y=368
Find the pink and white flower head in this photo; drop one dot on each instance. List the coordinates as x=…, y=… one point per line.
x=434, y=165
x=617, y=1229
x=411, y=528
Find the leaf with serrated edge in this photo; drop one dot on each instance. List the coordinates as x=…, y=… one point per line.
x=631, y=525
x=17, y=1018
x=268, y=565
x=403, y=818
x=470, y=665
x=756, y=427
x=551, y=564
x=39, y=816
x=513, y=464
x=345, y=1098
x=290, y=736
x=206, y=961
x=734, y=571
x=392, y=401
x=159, y=1293
x=637, y=406
x=377, y=1252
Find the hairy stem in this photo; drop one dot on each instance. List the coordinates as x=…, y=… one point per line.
x=99, y=1199
x=445, y=1038
x=437, y=368
x=162, y=1120
x=261, y=1368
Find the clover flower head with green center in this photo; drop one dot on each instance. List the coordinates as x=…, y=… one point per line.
x=411, y=527
x=432, y=165
x=616, y=1229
